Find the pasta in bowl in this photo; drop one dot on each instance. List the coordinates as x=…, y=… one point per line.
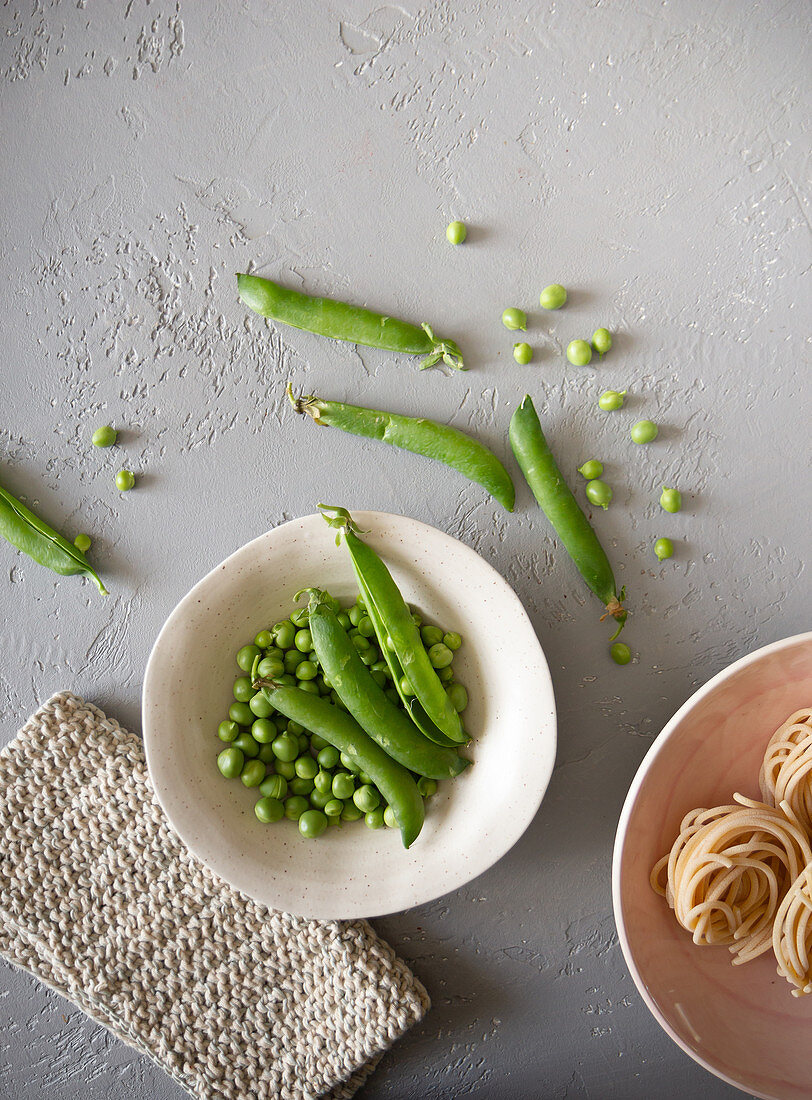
x=712, y=867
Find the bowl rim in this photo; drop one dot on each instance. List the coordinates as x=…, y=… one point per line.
x=388, y=518
x=623, y=824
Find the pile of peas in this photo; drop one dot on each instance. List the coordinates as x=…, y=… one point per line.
x=299, y=775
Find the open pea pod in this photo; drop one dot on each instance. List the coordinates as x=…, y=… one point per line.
x=395, y=627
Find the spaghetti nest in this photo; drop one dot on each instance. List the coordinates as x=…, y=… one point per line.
x=792, y=934
x=786, y=773
x=728, y=871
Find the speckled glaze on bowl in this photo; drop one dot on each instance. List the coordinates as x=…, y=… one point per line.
x=739, y=1022
x=351, y=871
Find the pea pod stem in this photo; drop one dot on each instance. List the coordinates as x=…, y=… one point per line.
x=563, y=511
x=342, y=321
x=417, y=434
x=342, y=731
x=34, y=537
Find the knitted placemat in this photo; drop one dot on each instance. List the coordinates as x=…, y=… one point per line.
x=101, y=901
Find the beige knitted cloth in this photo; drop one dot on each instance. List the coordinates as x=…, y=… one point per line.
x=100, y=900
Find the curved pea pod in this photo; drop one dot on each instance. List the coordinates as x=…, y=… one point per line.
x=342, y=321
x=416, y=434
x=342, y=731
x=562, y=509
x=25, y=530
x=366, y=701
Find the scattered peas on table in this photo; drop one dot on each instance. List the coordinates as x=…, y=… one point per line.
x=610, y=400
x=598, y=492
x=644, y=431
x=514, y=319
x=553, y=296
x=522, y=353
x=83, y=543
x=125, y=480
x=104, y=436
x=579, y=353
x=601, y=341
x=664, y=548
x=671, y=500
x=591, y=469
x=456, y=232
x=620, y=653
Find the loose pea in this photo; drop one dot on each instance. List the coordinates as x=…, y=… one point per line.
x=317, y=742
x=295, y=729
x=306, y=767
x=365, y=627
x=247, y=745
x=246, y=657
x=522, y=353
x=230, y=762
x=553, y=296
x=591, y=469
x=355, y=614
x=344, y=619
x=513, y=319
x=366, y=798
x=343, y=785
x=361, y=602
x=292, y=659
x=350, y=812
x=579, y=353
x=456, y=232
x=328, y=756
x=427, y=787
x=406, y=686
x=348, y=763
x=364, y=778
x=610, y=400
x=300, y=617
x=253, y=773
x=452, y=640
x=270, y=667
x=307, y=671
x=266, y=754
x=83, y=543
x=264, y=640
x=440, y=655
x=241, y=713
x=284, y=768
x=299, y=785
x=310, y=686
x=598, y=492
x=374, y=818
x=286, y=747
x=334, y=808
x=269, y=809
x=303, y=640
x=389, y=818
x=125, y=480
x=359, y=641
x=263, y=731
x=458, y=696
x=287, y=680
x=104, y=436
x=601, y=341
x=304, y=743
x=620, y=653
x=431, y=635
x=312, y=823
x=260, y=706
x=671, y=500
x=323, y=782
x=284, y=632
x=227, y=731
x=318, y=798
x=644, y=431
x=664, y=548
x=275, y=786
x=295, y=806
x=243, y=689
x=445, y=675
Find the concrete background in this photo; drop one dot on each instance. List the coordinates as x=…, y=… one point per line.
x=648, y=155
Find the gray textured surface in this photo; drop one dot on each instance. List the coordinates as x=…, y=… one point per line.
x=648, y=155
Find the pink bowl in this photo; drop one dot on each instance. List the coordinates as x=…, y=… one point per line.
x=739, y=1022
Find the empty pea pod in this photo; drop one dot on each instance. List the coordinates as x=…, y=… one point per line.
x=342, y=321
x=416, y=434
x=25, y=530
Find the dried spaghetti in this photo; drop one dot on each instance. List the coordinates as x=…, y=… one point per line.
x=786, y=773
x=792, y=934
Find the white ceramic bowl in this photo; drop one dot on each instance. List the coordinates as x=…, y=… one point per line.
x=350, y=871
x=739, y=1022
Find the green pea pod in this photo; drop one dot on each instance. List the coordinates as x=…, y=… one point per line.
x=419, y=435
x=366, y=701
x=562, y=509
x=25, y=530
x=342, y=321
x=342, y=731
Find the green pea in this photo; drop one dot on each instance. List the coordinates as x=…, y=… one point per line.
x=284, y=768
x=456, y=232
x=300, y=617
x=348, y=763
x=364, y=778
x=431, y=635
x=671, y=500
x=389, y=819
x=269, y=809
x=306, y=671
x=334, y=808
x=300, y=785
x=83, y=543
x=365, y=627
x=553, y=296
x=610, y=400
x=318, y=798
x=620, y=653
x=260, y=706
x=317, y=742
x=227, y=731
x=243, y=689
x=303, y=640
x=306, y=767
x=283, y=633
x=266, y=754
x=263, y=731
x=241, y=713
x=295, y=729
x=598, y=492
x=292, y=659
x=312, y=824
x=440, y=655
x=253, y=773
x=664, y=548
x=246, y=657
x=513, y=319
x=270, y=667
x=323, y=782
x=355, y=614
x=264, y=640
x=379, y=676
x=328, y=756
x=579, y=353
x=458, y=696
x=373, y=819
x=104, y=436
x=366, y=798
x=445, y=675
x=247, y=745
x=125, y=480
x=406, y=686
x=287, y=680
x=591, y=469
x=601, y=341
x=230, y=762
x=452, y=640
x=427, y=787
x=295, y=806
x=359, y=641
x=310, y=686
x=522, y=353
x=304, y=743
x=644, y=431
x=350, y=812
x=275, y=786
x=343, y=785
x=344, y=619
x=286, y=747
